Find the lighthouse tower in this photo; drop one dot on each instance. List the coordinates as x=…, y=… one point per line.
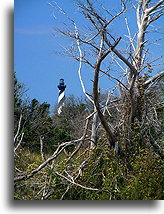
x=61, y=96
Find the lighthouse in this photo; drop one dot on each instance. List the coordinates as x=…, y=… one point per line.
x=61, y=96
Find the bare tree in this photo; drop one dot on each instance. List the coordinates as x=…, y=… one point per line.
x=98, y=45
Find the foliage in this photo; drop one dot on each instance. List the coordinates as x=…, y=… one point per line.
x=134, y=174
x=138, y=179
x=36, y=122
x=72, y=118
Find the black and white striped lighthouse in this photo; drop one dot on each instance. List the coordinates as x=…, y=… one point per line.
x=61, y=96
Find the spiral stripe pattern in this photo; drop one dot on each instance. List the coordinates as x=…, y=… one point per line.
x=61, y=96
x=61, y=99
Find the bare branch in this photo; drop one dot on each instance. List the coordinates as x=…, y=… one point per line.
x=80, y=63
x=115, y=79
x=58, y=151
x=154, y=18
x=154, y=7
x=132, y=68
x=18, y=129
x=153, y=79
x=41, y=148
x=80, y=185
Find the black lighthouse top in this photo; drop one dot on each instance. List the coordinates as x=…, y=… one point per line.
x=61, y=85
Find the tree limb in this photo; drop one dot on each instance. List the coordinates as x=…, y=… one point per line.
x=153, y=79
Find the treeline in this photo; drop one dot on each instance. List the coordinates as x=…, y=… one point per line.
x=32, y=122
x=53, y=160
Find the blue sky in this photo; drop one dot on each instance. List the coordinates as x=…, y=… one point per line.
x=35, y=61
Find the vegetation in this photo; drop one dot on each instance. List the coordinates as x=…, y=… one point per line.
x=91, y=174
x=106, y=146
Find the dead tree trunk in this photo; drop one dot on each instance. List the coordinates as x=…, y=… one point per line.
x=94, y=129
